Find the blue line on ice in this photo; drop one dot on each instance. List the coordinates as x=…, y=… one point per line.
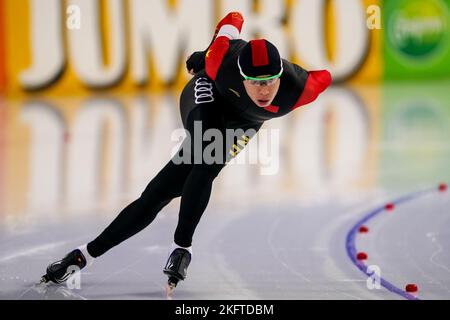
x=351, y=246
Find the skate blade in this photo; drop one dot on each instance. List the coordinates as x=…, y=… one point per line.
x=170, y=288
x=43, y=281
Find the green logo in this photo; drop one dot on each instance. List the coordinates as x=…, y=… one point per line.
x=417, y=28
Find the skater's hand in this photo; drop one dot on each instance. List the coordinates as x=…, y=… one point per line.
x=233, y=19
x=195, y=62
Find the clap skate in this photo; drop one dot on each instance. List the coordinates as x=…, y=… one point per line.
x=176, y=269
x=59, y=271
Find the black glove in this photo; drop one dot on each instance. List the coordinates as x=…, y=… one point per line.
x=196, y=61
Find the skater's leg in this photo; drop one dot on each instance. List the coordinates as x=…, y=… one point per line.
x=196, y=194
x=198, y=186
x=167, y=184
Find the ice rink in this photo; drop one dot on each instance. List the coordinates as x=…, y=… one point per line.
x=283, y=228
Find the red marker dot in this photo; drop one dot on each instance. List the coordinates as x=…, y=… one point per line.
x=442, y=187
x=361, y=256
x=363, y=229
x=66, y=137
x=411, y=287
x=389, y=207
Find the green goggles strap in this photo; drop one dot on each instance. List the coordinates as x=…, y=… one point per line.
x=260, y=78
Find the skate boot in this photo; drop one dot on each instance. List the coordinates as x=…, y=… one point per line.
x=176, y=268
x=60, y=271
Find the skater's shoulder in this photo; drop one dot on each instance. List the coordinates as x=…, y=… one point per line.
x=293, y=76
x=235, y=47
x=293, y=70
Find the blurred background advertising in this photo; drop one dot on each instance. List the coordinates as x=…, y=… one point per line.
x=90, y=95
x=89, y=102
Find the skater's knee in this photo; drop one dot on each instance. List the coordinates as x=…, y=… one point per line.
x=160, y=190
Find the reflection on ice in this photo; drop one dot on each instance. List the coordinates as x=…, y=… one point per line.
x=50, y=292
x=104, y=149
x=68, y=157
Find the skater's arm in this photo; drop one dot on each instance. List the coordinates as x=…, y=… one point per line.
x=227, y=29
x=316, y=82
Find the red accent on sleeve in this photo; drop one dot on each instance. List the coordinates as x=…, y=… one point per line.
x=215, y=55
x=316, y=83
x=233, y=18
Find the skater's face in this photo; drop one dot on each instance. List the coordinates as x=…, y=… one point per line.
x=263, y=92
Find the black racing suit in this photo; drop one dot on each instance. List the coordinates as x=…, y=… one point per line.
x=221, y=104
